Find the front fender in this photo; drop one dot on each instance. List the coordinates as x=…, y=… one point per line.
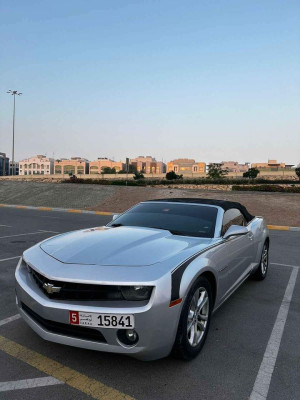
x=195, y=269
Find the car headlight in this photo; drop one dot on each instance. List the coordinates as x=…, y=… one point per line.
x=134, y=293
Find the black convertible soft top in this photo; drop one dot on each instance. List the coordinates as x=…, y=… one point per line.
x=226, y=205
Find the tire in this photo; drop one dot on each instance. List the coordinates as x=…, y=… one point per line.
x=189, y=342
x=262, y=270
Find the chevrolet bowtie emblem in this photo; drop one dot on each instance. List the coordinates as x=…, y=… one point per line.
x=51, y=288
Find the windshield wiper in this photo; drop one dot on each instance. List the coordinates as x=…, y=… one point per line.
x=116, y=225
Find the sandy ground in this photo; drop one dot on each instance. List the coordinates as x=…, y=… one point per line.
x=276, y=208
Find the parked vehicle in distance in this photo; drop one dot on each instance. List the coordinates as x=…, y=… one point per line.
x=147, y=283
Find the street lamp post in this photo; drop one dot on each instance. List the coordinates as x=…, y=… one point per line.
x=14, y=93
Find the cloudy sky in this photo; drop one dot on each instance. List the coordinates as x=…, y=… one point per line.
x=207, y=79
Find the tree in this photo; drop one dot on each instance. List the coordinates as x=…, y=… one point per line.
x=251, y=173
x=297, y=170
x=138, y=175
x=215, y=171
x=170, y=176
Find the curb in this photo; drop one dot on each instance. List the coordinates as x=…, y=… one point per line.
x=283, y=228
x=70, y=210
x=73, y=210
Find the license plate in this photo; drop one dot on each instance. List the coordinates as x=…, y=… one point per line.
x=95, y=320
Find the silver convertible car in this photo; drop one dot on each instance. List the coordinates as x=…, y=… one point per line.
x=146, y=284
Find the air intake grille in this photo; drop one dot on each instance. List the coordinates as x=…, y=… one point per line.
x=65, y=329
x=75, y=291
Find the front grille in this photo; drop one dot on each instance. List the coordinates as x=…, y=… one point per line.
x=76, y=291
x=79, y=332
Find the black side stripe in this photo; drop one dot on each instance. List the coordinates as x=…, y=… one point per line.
x=177, y=273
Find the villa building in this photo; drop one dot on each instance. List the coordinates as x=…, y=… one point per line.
x=148, y=165
x=186, y=166
x=96, y=167
x=272, y=165
x=73, y=166
x=38, y=165
x=13, y=168
x=4, y=164
x=234, y=166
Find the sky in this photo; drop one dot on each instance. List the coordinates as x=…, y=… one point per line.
x=213, y=80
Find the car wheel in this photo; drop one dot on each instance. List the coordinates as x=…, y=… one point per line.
x=194, y=320
x=262, y=269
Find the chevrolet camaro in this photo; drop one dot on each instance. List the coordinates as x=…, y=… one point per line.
x=147, y=283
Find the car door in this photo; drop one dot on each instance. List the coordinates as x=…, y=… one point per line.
x=234, y=255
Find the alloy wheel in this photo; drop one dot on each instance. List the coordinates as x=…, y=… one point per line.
x=264, y=260
x=198, y=316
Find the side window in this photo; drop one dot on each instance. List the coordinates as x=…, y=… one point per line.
x=232, y=217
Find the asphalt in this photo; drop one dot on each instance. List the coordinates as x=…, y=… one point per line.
x=228, y=364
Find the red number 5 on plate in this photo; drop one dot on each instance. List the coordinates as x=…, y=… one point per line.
x=74, y=317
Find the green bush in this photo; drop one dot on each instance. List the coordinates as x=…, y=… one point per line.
x=138, y=175
x=172, y=176
x=251, y=173
x=268, y=188
x=181, y=181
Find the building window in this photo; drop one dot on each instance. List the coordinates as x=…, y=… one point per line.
x=69, y=169
x=57, y=169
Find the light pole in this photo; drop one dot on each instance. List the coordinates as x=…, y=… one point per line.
x=14, y=93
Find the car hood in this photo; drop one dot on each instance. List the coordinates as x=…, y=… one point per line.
x=121, y=246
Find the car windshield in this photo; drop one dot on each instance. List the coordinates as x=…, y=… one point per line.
x=179, y=219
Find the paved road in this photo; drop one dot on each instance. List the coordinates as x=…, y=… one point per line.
x=226, y=368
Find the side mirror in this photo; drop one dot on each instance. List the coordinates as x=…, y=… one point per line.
x=115, y=216
x=235, y=230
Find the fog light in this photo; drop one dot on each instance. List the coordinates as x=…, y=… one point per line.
x=129, y=337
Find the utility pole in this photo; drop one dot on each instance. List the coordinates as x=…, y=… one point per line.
x=14, y=93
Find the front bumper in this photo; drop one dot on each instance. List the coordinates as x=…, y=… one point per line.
x=156, y=323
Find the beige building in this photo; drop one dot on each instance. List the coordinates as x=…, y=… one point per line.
x=96, y=166
x=272, y=165
x=148, y=165
x=73, y=166
x=234, y=166
x=38, y=165
x=186, y=166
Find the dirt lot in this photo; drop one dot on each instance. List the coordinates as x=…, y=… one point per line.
x=277, y=208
